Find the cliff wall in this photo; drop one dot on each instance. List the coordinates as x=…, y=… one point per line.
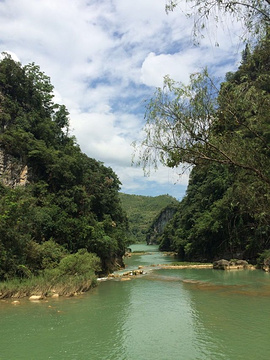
x=158, y=225
x=12, y=171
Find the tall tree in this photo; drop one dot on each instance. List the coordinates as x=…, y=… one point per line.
x=198, y=123
x=225, y=135
x=253, y=14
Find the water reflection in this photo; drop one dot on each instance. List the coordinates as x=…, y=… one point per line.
x=161, y=323
x=149, y=256
x=167, y=314
x=231, y=309
x=86, y=327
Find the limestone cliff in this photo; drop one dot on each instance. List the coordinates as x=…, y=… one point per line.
x=158, y=225
x=12, y=171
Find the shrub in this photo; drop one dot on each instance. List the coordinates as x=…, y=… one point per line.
x=51, y=254
x=79, y=263
x=264, y=256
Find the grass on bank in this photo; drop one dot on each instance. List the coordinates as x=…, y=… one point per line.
x=46, y=285
x=74, y=274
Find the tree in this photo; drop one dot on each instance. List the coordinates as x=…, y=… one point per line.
x=253, y=14
x=224, y=134
x=69, y=202
x=41, y=84
x=199, y=123
x=225, y=214
x=178, y=122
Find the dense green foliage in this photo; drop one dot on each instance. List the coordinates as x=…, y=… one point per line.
x=225, y=212
x=70, y=202
x=141, y=212
x=74, y=273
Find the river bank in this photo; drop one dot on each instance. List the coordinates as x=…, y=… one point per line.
x=137, y=264
x=208, y=266
x=39, y=288
x=194, y=311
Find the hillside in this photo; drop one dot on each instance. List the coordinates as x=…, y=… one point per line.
x=55, y=200
x=141, y=212
x=226, y=211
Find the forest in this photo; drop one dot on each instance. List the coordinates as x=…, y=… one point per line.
x=61, y=212
x=142, y=211
x=67, y=217
x=224, y=134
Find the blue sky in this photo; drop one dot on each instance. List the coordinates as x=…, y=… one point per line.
x=105, y=58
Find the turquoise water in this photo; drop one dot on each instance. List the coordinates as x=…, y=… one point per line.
x=151, y=256
x=166, y=314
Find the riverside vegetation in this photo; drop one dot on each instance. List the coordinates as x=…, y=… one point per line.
x=61, y=217
x=61, y=220
x=141, y=212
x=223, y=133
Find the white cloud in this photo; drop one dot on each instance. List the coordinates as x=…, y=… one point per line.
x=177, y=66
x=104, y=58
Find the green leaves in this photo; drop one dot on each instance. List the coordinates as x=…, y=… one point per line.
x=197, y=124
x=79, y=264
x=179, y=120
x=70, y=201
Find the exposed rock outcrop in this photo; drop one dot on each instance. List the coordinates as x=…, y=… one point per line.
x=266, y=265
x=221, y=264
x=227, y=265
x=158, y=225
x=36, y=297
x=12, y=171
x=243, y=263
x=134, y=272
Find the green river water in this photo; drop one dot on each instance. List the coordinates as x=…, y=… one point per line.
x=185, y=314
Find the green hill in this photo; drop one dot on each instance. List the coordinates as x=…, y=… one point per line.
x=141, y=212
x=54, y=200
x=226, y=211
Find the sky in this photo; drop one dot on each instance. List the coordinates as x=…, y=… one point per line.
x=105, y=59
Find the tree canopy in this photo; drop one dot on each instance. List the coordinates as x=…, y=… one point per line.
x=142, y=211
x=223, y=133
x=200, y=122
x=70, y=201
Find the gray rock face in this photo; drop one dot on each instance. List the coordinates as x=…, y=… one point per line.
x=12, y=172
x=266, y=265
x=241, y=263
x=159, y=224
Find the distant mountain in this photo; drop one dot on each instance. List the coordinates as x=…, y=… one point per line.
x=142, y=211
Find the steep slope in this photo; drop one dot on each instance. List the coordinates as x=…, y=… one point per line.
x=225, y=213
x=65, y=198
x=158, y=225
x=141, y=212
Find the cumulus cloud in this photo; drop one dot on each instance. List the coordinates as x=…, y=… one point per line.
x=104, y=59
x=178, y=66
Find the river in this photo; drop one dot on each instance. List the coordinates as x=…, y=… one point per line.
x=187, y=314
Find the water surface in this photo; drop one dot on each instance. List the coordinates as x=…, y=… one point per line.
x=185, y=314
